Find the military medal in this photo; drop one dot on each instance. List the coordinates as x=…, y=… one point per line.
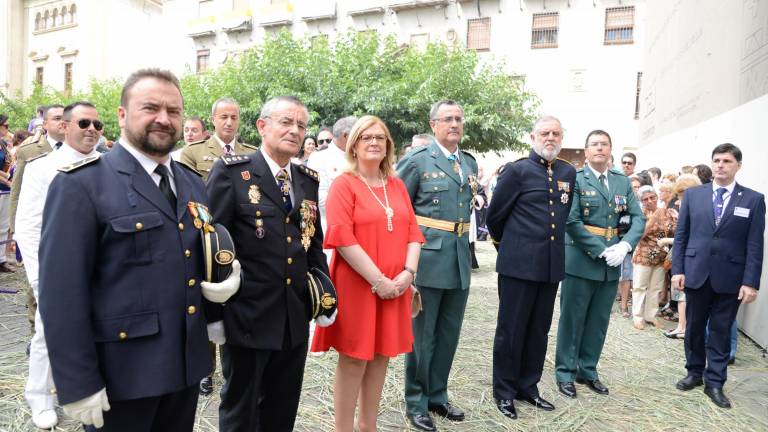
x=260, y=228
x=472, y=180
x=308, y=215
x=621, y=203
x=254, y=194
x=549, y=170
x=565, y=187
x=199, y=214
x=434, y=176
x=246, y=175
x=564, y=198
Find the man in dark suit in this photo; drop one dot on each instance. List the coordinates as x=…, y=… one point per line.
x=120, y=271
x=527, y=220
x=270, y=207
x=717, y=259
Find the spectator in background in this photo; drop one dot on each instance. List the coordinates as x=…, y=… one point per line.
x=686, y=169
x=5, y=134
x=324, y=138
x=307, y=148
x=37, y=121
x=628, y=161
x=655, y=176
x=18, y=137
x=670, y=178
x=704, y=172
x=648, y=260
x=420, y=140
x=683, y=183
x=666, y=192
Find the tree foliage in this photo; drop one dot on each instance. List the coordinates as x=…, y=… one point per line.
x=361, y=73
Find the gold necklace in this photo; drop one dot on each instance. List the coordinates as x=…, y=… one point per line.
x=385, y=205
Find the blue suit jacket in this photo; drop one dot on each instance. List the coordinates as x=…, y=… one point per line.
x=729, y=254
x=120, y=274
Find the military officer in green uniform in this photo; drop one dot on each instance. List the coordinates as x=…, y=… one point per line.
x=594, y=250
x=44, y=141
x=200, y=155
x=441, y=182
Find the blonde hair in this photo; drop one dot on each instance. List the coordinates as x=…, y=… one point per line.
x=365, y=122
x=684, y=182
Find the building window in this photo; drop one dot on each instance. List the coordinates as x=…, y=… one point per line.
x=72, y=12
x=68, y=78
x=64, y=16
x=619, y=25
x=544, y=30
x=479, y=34
x=203, y=56
x=39, y=75
x=419, y=41
x=37, y=21
x=47, y=20
x=637, y=95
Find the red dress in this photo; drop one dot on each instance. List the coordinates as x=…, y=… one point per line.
x=365, y=324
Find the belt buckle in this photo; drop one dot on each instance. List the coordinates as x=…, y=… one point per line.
x=609, y=233
x=459, y=228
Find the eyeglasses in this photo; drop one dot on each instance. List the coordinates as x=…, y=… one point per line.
x=324, y=141
x=450, y=119
x=627, y=163
x=86, y=123
x=371, y=138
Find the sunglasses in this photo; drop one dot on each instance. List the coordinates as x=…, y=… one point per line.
x=325, y=141
x=86, y=123
x=627, y=163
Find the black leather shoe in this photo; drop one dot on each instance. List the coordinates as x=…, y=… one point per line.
x=206, y=386
x=507, y=407
x=448, y=411
x=595, y=385
x=537, y=401
x=567, y=388
x=717, y=396
x=422, y=422
x=688, y=383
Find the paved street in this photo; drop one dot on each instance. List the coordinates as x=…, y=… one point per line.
x=639, y=367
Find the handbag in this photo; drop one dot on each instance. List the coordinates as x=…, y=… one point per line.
x=415, y=302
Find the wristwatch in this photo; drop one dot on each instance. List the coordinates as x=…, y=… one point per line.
x=411, y=271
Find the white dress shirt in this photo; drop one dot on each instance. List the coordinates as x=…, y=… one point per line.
x=149, y=165
x=446, y=153
x=274, y=168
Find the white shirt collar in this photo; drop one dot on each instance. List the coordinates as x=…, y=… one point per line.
x=222, y=143
x=145, y=161
x=51, y=141
x=445, y=151
x=598, y=173
x=273, y=166
x=730, y=187
x=66, y=148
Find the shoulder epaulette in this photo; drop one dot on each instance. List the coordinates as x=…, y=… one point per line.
x=79, y=164
x=563, y=160
x=309, y=172
x=617, y=172
x=522, y=158
x=38, y=156
x=417, y=150
x=190, y=168
x=32, y=139
x=250, y=146
x=197, y=142
x=468, y=154
x=234, y=159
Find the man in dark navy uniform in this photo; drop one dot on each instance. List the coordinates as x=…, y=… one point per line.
x=270, y=207
x=120, y=270
x=526, y=220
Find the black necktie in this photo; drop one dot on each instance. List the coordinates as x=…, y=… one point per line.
x=602, y=183
x=227, y=149
x=57, y=146
x=719, y=202
x=165, y=185
x=284, y=183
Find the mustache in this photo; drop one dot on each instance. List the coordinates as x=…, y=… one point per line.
x=160, y=128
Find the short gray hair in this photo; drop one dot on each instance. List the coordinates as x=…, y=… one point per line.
x=224, y=100
x=437, y=105
x=546, y=118
x=343, y=125
x=270, y=105
x=645, y=189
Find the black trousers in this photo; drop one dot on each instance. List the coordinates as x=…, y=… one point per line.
x=520, y=345
x=172, y=412
x=709, y=357
x=262, y=388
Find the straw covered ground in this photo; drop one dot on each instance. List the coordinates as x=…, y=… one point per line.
x=639, y=367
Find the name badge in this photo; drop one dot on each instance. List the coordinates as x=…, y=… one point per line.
x=741, y=212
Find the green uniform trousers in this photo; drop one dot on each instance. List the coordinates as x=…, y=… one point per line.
x=436, y=335
x=585, y=309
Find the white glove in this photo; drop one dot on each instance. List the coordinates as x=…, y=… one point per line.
x=615, y=254
x=324, y=321
x=216, y=333
x=89, y=410
x=222, y=291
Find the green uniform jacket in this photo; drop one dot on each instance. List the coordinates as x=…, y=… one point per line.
x=438, y=192
x=592, y=207
x=33, y=147
x=200, y=155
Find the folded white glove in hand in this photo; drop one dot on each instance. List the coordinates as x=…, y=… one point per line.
x=89, y=410
x=324, y=321
x=615, y=254
x=222, y=291
x=216, y=333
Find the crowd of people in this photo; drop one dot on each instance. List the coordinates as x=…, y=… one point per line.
x=128, y=326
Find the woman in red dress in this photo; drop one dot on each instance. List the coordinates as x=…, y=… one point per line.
x=376, y=242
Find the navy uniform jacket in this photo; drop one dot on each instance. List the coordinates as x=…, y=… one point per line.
x=729, y=254
x=273, y=295
x=120, y=279
x=527, y=218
